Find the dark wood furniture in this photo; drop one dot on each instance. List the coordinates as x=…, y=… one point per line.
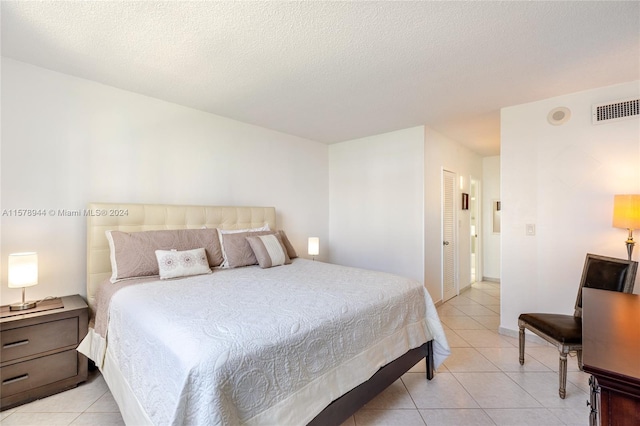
x=38, y=355
x=565, y=331
x=611, y=354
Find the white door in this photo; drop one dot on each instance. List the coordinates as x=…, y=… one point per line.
x=449, y=287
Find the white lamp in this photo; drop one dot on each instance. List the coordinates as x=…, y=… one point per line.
x=626, y=215
x=23, y=272
x=314, y=247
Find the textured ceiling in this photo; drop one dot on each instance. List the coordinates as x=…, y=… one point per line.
x=335, y=71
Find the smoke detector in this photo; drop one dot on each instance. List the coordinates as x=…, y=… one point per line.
x=615, y=111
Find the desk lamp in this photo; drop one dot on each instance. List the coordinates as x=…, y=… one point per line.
x=626, y=215
x=314, y=247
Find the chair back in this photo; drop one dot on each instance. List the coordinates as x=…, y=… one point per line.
x=606, y=273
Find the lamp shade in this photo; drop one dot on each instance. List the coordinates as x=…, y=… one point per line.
x=314, y=246
x=23, y=269
x=626, y=211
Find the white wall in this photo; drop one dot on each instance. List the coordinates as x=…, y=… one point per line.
x=376, y=202
x=68, y=141
x=562, y=179
x=385, y=209
x=490, y=240
x=441, y=153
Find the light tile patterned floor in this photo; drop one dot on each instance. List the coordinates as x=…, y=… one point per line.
x=481, y=383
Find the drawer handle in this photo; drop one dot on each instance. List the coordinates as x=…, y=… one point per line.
x=15, y=379
x=14, y=344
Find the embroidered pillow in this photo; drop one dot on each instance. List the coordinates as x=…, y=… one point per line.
x=174, y=263
x=269, y=250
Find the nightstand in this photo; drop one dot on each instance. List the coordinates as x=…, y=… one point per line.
x=38, y=356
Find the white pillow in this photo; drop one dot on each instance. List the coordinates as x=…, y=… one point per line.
x=174, y=263
x=265, y=227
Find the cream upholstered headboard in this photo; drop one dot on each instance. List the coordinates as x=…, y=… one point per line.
x=147, y=217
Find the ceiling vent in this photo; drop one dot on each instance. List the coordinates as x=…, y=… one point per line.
x=615, y=111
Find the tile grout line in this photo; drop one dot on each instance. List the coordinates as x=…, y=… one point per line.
x=482, y=408
x=462, y=385
x=542, y=405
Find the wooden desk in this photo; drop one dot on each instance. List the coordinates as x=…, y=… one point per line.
x=611, y=353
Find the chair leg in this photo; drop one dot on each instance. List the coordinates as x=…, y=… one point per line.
x=563, y=375
x=580, y=359
x=521, y=344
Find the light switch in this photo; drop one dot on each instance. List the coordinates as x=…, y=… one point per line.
x=531, y=229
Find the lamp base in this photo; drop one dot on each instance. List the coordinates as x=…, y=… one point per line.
x=22, y=306
x=630, y=243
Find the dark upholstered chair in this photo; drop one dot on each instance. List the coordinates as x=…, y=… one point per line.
x=565, y=331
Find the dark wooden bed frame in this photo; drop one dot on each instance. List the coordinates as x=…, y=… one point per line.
x=345, y=406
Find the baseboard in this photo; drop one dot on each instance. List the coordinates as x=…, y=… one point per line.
x=491, y=280
x=529, y=337
x=507, y=332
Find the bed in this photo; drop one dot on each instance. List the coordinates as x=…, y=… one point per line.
x=302, y=343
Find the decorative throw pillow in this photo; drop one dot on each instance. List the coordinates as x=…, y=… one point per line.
x=287, y=244
x=174, y=263
x=133, y=253
x=269, y=250
x=222, y=232
x=237, y=250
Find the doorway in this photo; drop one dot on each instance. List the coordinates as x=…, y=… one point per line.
x=475, y=229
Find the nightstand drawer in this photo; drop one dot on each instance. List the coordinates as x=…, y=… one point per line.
x=35, y=339
x=28, y=375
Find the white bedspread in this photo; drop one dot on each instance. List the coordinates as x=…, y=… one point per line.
x=263, y=346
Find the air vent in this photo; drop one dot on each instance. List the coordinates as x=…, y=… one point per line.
x=615, y=111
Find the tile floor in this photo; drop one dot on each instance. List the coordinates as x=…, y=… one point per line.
x=481, y=383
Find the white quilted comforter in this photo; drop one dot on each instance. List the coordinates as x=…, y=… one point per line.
x=263, y=346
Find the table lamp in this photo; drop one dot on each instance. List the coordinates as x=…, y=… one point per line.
x=626, y=215
x=23, y=272
x=314, y=247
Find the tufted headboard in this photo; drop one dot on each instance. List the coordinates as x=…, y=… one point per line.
x=147, y=217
